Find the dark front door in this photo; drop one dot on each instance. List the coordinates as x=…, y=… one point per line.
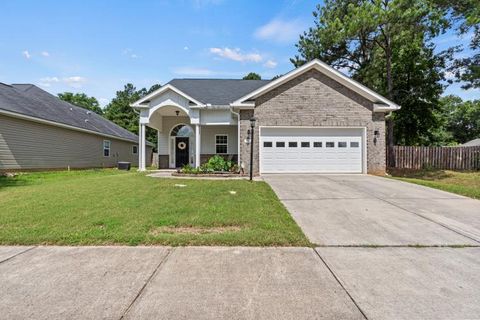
x=181, y=151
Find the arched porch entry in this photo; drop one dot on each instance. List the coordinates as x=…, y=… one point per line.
x=181, y=146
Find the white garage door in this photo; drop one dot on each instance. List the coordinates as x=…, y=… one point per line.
x=322, y=150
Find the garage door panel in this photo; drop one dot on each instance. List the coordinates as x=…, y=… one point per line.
x=322, y=150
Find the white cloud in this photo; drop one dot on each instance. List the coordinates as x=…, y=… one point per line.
x=45, y=54
x=236, y=55
x=185, y=48
x=75, y=81
x=129, y=53
x=189, y=71
x=26, y=54
x=47, y=81
x=270, y=64
x=103, y=101
x=281, y=31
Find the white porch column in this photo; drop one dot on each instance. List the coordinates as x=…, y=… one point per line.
x=198, y=145
x=142, y=165
x=139, y=145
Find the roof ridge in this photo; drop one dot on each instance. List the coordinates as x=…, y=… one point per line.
x=220, y=79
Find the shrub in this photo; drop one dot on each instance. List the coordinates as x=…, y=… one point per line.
x=214, y=164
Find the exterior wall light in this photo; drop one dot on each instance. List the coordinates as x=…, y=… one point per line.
x=248, y=139
x=376, y=134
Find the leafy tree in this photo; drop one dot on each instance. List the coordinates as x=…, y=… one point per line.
x=461, y=118
x=465, y=16
x=384, y=44
x=252, y=76
x=82, y=100
x=120, y=112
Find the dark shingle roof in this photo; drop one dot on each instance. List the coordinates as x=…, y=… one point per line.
x=29, y=100
x=217, y=91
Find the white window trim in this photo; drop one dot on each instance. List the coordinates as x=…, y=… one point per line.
x=109, y=148
x=133, y=147
x=221, y=144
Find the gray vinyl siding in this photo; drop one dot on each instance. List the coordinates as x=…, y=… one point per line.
x=27, y=144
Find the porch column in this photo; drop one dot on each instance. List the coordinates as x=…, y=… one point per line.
x=141, y=165
x=139, y=145
x=198, y=147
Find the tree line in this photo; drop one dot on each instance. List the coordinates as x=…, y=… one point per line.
x=387, y=45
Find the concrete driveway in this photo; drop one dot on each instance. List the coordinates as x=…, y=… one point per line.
x=346, y=210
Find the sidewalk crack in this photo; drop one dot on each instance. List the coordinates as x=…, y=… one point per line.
x=340, y=283
x=142, y=289
x=17, y=254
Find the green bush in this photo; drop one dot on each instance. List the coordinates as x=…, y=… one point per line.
x=214, y=164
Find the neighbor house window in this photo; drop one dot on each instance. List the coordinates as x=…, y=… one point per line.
x=280, y=144
x=135, y=149
x=317, y=144
x=221, y=143
x=292, y=144
x=342, y=144
x=330, y=144
x=267, y=144
x=305, y=144
x=106, y=148
x=354, y=144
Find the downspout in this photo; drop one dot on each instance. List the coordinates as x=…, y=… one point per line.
x=238, y=135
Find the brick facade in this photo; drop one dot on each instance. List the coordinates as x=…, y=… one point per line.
x=313, y=99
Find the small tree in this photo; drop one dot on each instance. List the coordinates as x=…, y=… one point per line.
x=82, y=100
x=252, y=76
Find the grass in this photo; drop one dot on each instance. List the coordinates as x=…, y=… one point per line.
x=103, y=207
x=463, y=183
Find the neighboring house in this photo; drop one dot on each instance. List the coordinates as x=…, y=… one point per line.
x=312, y=119
x=40, y=131
x=472, y=143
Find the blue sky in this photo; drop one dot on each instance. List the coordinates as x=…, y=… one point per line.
x=98, y=46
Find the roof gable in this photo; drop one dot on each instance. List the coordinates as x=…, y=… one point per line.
x=381, y=103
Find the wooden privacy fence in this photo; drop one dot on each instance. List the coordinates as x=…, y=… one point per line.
x=446, y=158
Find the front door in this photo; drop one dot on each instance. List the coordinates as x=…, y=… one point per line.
x=181, y=151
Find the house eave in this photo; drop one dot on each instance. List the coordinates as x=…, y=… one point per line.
x=65, y=126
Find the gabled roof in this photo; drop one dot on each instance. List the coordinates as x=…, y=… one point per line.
x=381, y=103
x=472, y=143
x=29, y=101
x=218, y=92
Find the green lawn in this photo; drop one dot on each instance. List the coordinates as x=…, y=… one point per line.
x=464, y=183
x=114, y=207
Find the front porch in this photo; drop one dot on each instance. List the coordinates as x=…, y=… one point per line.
x=189, y=133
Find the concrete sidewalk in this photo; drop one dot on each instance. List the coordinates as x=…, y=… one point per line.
x=239, y=283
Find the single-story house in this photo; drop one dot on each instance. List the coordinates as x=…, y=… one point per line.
x=472, y=143
x=313, y=119
x=40, y=131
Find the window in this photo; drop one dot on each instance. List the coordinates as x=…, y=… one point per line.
x=134, y=149
x=329, y=144
x=305, y=144
x=221, y=144
x=292, y=144
x=267, y=144
x=106, y=148
x=354, y=144
x=342, y=144
x=280, y=144
x=317, y=144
